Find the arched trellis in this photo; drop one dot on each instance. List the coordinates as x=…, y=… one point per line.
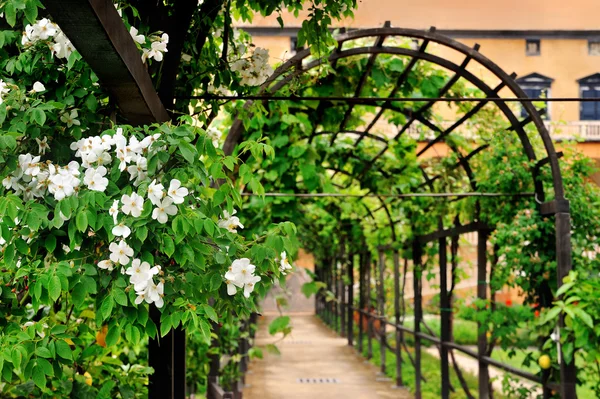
x=507, y=88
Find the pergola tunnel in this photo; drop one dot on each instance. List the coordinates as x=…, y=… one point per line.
x=403, y=187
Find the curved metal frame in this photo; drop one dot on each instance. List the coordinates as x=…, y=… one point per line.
x=559, y=206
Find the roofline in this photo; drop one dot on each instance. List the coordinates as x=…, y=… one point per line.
x=454, y=33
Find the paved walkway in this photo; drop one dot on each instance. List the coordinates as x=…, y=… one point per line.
x=314, y=363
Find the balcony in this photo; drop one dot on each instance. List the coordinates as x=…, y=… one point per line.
x=583, y=130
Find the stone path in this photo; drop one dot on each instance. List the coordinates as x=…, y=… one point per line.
x=314, y=363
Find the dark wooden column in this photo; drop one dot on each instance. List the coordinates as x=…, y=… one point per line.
x=361, y=299
x=98, y=33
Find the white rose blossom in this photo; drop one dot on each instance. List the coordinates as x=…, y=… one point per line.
x=176, y=192
x=132, y=205
x=120, y=253
x=163, y=210
x=241, y=275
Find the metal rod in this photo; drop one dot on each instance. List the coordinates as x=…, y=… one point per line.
x=398, y=336
x=445, y=312
x=418, y=316
x=408, y=195
x=350, y=318
x=369, y=100
x=484, y=376
x=361, y=298
x=381, y=305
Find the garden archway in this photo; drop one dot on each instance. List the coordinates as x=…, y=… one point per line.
x=399, y=104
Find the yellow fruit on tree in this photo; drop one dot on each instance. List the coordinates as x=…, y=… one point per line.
x=101, y=336
x=88, y=378
x=545, y=362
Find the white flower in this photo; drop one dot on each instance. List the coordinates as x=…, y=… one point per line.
x=138, y=171
x=215, y=135
x=120, y=253
x=38, y=87
x=121, y=230
x=176, y=192
x=61, y=186
x=241, y=275
x=133, y=204
x=163, y=209
x=106, y=264
x=3, y=90
x=284, y=264
x=141, y=274
x=230, y=222
x=95, y=180
x=114, y=210
x=70, y=119
x=134, y=35
x=249, y=285
x=42, y=145
x=155, y=293
x=155, y=192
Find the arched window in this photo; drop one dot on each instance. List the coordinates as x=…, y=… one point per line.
x=536, y=85
x=589, y=87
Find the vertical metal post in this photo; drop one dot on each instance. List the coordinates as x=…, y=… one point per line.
x=398, y=349
x=350, y=313
x=334, y=288
x=368, y=307
x=342, y=292
x=361, y=299
x=381, y=306
x=568, y=372
x=418, y=314
x=445, y=317
x=484, y=376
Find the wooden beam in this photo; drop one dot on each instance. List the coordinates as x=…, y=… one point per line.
x=98, y=33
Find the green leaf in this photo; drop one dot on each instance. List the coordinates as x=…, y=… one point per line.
x=10, y=13
x=113, y=335
x=78, y=294
x=210, y=312
x=43, y=352
x=215, y=281
x=165, y=325
x=168, y=246
x=120, y=296
x=81, y=221
x=279, y=324
x=63, y=349
x=188, y=151
x=31, y=11
x=38, y=116
x=205, y=331
x=54, y=288
x=209, y=227
x=141, y=233
x=107, y=307
x=38, y=376
x=50, y=243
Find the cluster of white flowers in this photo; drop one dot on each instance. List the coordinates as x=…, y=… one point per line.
x=158, y=47
x=215, y=135
x=284, y=264
x=230, y=222
x=253, y=70
x=241, y=275
x=46, y=30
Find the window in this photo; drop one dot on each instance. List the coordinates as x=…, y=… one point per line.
x=589, y=87
x=594, y=47
x=294, y=45
x=536, y=85
x=532, y=47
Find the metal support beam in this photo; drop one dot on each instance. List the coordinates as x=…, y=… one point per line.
x=98, y=33
x=484, y=375
x=417, y=271
x=398, y=335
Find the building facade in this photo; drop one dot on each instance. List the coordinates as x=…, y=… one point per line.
x=553, y=46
